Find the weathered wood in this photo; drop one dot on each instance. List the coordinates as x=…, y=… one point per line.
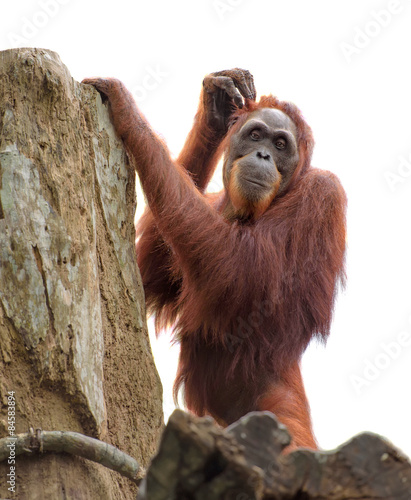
x=74, y=347
x=198, y=460
x=245, y=462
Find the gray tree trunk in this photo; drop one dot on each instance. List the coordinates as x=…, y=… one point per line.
x=74, y=349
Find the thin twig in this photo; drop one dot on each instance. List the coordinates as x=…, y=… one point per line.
x=75, y=444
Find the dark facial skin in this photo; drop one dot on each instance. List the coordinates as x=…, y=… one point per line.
x=262, y=156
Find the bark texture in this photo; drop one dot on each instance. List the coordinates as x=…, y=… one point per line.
x=73, y=336
x=199, y=461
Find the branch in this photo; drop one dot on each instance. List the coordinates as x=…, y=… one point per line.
x=75, y=444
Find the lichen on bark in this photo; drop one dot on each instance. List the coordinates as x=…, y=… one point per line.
x=73, y=335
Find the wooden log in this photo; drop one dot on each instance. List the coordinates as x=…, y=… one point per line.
x=199, y=460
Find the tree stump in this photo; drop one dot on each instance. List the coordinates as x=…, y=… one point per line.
x=199, y=461
x=74, y=348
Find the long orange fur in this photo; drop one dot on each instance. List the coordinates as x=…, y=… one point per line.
x=245, y=299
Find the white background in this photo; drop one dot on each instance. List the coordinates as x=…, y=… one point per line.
x=346, y=64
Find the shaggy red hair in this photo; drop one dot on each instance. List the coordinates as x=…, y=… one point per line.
x=284, y=270
x=244, y=297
